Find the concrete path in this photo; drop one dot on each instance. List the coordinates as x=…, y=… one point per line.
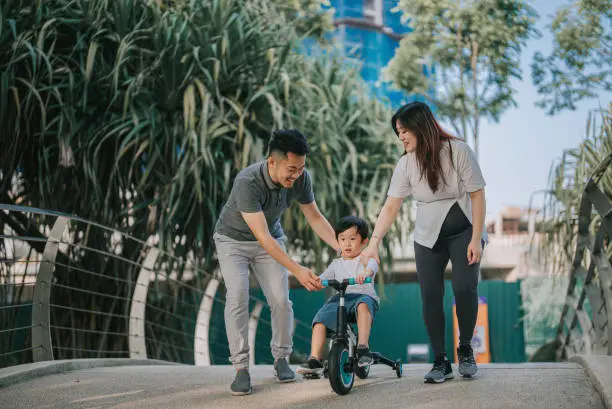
x=534, y=386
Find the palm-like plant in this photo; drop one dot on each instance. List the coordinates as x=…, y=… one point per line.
x=567, y=182
x=561, y=211
x=137, y=114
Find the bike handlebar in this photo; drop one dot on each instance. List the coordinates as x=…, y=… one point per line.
x=346, y=281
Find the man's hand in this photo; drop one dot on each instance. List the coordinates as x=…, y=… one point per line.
x=474, y=251
x=308, y=279
x=368, y=253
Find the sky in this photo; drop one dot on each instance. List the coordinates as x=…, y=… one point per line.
x=517, y=153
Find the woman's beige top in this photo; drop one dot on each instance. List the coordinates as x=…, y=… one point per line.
x=462, y=179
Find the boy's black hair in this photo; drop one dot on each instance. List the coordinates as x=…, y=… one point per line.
x=284, y=141
x=353, y=221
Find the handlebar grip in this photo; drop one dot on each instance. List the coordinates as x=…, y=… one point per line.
x=350, y=281
x=353, y=281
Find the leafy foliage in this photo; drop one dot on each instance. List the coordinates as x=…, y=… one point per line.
x=462, y=57
x=568, y=179
x=580, y=65
x=137, y=114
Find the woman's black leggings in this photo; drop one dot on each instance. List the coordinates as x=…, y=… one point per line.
x=452, y=243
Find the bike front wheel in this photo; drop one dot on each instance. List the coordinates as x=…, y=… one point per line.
x=340, y=371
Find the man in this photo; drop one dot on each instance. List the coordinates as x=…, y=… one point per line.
x=249, y=233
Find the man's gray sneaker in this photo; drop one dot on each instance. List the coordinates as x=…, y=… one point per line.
x=282, y=371
x=440, y=372
x=242, y=383
x=467, y=363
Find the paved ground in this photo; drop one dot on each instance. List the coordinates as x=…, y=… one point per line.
x=534, y=386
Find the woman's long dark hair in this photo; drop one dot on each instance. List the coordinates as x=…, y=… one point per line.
x=418, y=119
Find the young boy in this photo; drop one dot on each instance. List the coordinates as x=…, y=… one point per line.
x=352, y=234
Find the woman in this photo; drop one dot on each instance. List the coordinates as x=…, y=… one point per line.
x=441, y=173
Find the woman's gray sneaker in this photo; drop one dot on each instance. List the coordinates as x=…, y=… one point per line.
x=467, y=363
x=282, y=371
x=440, y=372
x=242, y=383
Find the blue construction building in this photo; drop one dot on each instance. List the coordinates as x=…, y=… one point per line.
x=371, y=32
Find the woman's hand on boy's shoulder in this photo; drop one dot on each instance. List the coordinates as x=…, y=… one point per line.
x=369, y=253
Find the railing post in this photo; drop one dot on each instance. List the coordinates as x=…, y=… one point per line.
x=42, y=349
x=597, y=281
x=587, y=327
x=605, y=281
x=137, y=340
x=201, y=342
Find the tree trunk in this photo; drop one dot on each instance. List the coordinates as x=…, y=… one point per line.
x=474, y=63
x=463, y=110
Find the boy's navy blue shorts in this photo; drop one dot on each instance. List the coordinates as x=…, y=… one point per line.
x=328, y=313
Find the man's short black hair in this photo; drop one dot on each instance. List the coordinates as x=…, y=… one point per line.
x=353, y=221
x=288, y=140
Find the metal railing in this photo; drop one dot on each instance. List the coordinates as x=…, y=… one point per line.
x=586, y=320
x=71, y=288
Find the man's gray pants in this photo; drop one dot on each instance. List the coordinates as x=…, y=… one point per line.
x=235, y=258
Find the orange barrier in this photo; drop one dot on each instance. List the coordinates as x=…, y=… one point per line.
x=480, y=339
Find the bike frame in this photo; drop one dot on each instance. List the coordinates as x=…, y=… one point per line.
x=344, y=333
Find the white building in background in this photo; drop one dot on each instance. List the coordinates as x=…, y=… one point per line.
x=508, y=256
x=515, y=241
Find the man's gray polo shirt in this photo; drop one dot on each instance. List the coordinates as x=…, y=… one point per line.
x=254, y=191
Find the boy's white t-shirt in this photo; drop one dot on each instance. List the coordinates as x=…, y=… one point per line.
x=341, y=269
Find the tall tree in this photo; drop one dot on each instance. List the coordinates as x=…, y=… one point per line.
x=462, y=56
x=580, y=64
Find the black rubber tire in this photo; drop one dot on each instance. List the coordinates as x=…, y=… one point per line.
x=362, y=372
x=398, y=368
x=340, y=381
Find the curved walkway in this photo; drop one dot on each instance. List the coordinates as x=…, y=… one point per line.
x=156, y=385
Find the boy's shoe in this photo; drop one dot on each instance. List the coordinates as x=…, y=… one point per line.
x=441, y=370
x=364, y=357
x=313, y=368
x=282, y=371
x=242, y=383
x=467, y=363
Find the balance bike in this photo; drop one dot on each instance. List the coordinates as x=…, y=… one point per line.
x=341, y=365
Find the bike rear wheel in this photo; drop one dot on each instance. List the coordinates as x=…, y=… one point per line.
x=362, y=372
